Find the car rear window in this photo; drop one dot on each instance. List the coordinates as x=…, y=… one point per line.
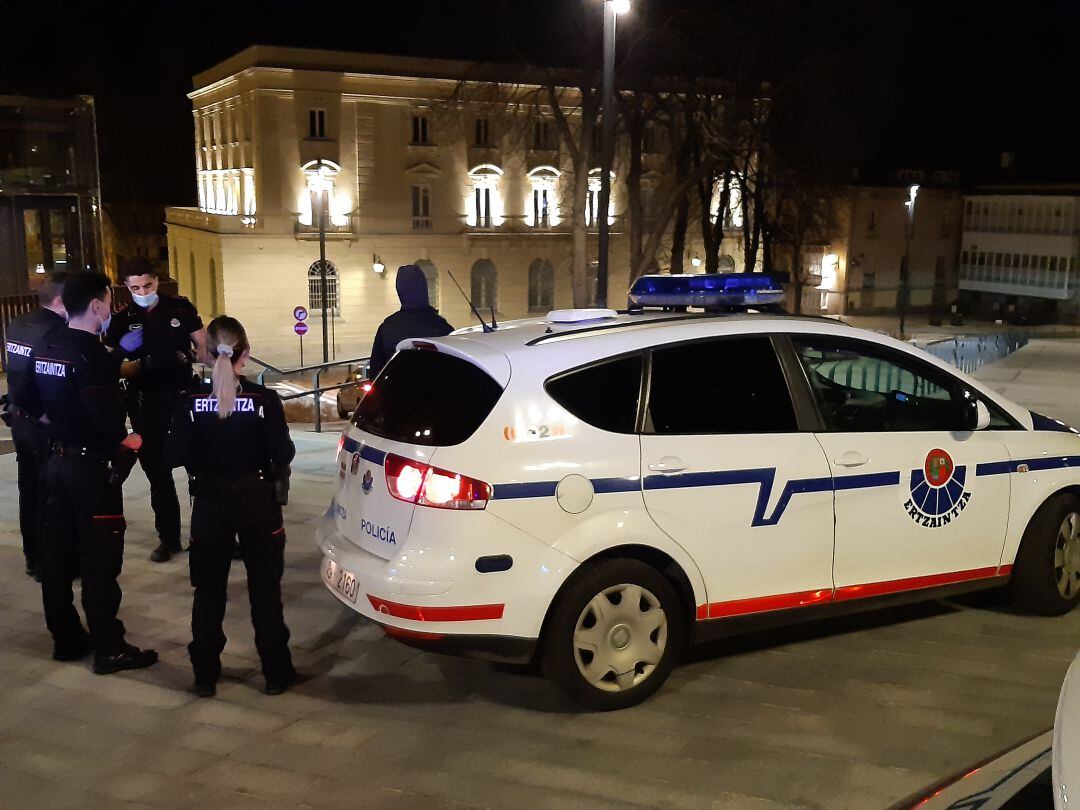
x=429, y=398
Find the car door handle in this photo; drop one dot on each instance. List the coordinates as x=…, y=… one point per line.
x=668, y=464
x=851, y=458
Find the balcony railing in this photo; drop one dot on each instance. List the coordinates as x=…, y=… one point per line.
x=1035, y=282
x=421, y=223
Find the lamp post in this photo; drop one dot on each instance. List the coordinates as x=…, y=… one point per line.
x=612, y=8
x=324, y=203
x=905, y=267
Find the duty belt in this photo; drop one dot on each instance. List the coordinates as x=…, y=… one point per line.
x=65, y=449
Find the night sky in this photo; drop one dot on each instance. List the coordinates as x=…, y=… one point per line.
x=928, y=83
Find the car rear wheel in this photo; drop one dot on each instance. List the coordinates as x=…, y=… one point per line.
x=342, y=412
x=1046, y=578
x=615, y=634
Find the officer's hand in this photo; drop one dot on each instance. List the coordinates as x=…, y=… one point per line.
x=129, y=369
x=132, y=341
x=133, y=442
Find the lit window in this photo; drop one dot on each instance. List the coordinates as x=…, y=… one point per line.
x=484, y=205
x=320, y=177
x=420, y=130
x=542, y=207
x=592, y=201
x=733, y=217
x=315, y=301
x=316, y=123
x=421, y=208
x=541, y=286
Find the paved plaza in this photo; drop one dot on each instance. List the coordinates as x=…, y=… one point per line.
x=849, y=713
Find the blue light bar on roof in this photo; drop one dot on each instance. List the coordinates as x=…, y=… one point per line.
x=708, y=291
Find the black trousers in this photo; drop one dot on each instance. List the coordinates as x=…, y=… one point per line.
x=151, y=419
x=31, y=458
x=216, y=521
x=84, y=529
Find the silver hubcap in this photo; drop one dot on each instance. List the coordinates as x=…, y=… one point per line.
x=1067, y=556
x=620, y=637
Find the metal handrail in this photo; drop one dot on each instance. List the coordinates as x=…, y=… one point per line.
x=317, y=390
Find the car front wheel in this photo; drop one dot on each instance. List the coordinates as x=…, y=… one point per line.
x=1046, y=578
x=615, y=634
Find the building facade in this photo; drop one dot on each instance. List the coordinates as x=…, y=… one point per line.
x=1019, y=253
x=279, y=131
x=49, y=189
x=858, y=272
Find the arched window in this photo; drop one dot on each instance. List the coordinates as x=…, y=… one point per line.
x=484, y=208
x=592, y=201
x=333, y=302
x=192, y=289
x=542, y=206
x=541, y=286
x=485, y=285
x=213, y=288
x=431, y=273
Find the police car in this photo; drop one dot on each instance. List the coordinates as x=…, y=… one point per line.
x=601, y=489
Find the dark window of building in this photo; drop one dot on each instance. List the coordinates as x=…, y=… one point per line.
x=483, y=132
x=485, y=285
x=541, y=286
x=316, y=123
x=541, y=134
x=420, y=129
x=736, y=385
x=616, y=410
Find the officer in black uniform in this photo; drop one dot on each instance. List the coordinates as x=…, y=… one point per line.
x=75, y=388
x=232, y=436
x=31, y=442
x=160, y=336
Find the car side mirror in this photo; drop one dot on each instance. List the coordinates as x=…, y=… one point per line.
x=980, y=416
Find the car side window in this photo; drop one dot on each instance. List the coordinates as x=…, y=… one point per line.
x=728, y=385
x=860, y=388
x=604, y=395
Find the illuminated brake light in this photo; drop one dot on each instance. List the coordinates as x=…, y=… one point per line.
x=424, y=485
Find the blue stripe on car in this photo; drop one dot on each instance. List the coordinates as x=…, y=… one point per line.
x=1033, y=464
x=351, y=445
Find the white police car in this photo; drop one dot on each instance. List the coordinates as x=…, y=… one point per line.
x=602, y=489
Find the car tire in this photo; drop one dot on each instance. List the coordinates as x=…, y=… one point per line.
x=643, y=641
x=1046, y=577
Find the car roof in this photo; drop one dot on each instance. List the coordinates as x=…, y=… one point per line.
x=527, y=332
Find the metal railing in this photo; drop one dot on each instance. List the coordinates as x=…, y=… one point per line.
x=316, y=390
x=969, y=353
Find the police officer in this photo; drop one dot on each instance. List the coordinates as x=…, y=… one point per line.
x=160, y=336
x=75, y=388
x=232, y=436
x=31, y=442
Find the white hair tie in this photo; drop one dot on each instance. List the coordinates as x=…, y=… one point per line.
x=225, y=349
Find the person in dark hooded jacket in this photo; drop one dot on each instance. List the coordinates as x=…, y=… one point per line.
x=416, y=318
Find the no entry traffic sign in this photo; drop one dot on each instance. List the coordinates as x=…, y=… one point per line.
x=300, y=328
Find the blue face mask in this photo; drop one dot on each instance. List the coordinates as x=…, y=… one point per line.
x=105, y=324
x=145, y=301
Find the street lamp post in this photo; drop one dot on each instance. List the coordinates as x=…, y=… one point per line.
x=324, y=203
x=905, y=267
x=611, y=9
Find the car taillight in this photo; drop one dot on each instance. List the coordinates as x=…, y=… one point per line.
x=424, y=485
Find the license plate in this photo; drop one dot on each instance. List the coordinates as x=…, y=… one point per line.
x=342, y=581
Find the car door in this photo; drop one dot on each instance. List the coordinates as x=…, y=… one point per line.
x=728, y=474
x=910, y=510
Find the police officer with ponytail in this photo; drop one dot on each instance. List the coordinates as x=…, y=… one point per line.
x=232, y=436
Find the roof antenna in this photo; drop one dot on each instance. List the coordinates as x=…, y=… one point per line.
x=494, y=325
x=483, y=324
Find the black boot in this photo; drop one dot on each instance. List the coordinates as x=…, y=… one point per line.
x=165, y=552
x=128, y=657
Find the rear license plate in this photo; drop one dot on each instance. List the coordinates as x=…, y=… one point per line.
x=342, y=581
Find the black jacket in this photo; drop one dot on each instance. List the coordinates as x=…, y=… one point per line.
x=415, y=319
